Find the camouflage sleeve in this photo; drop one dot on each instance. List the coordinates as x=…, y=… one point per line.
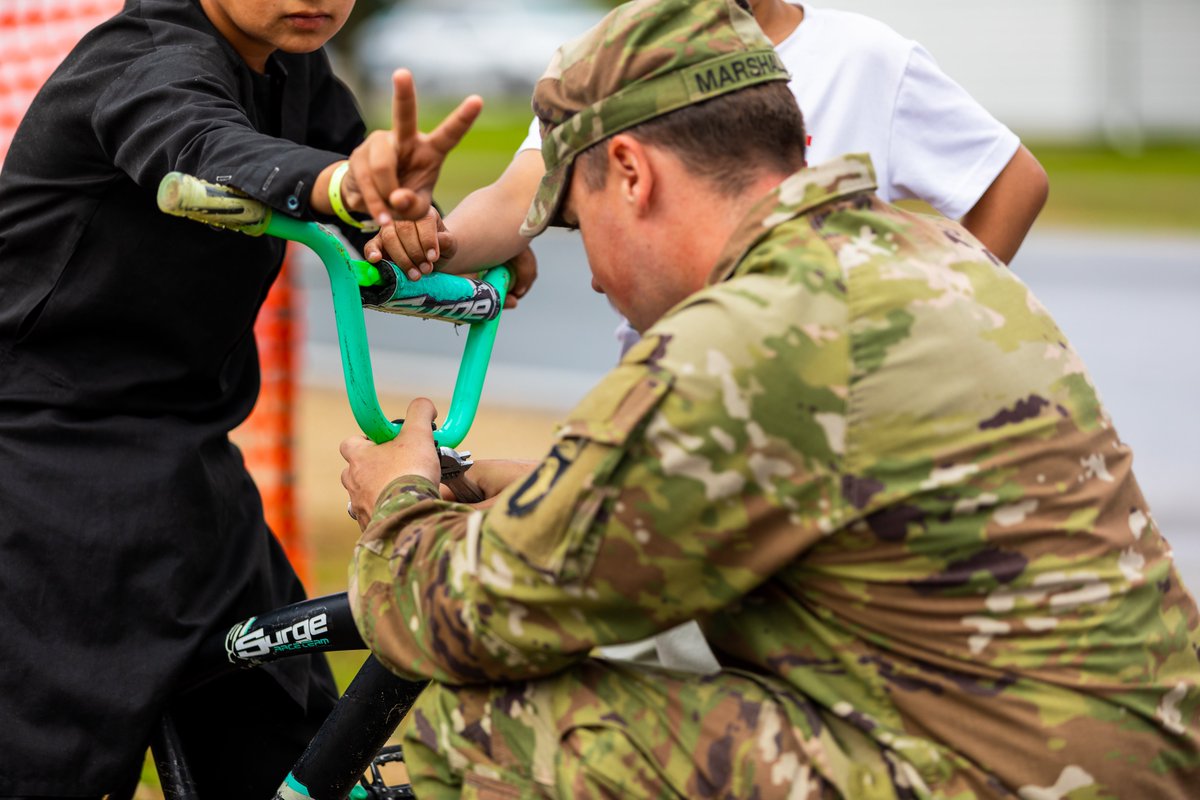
x=670, y=492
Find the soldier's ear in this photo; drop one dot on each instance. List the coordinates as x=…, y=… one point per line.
x=629, y=165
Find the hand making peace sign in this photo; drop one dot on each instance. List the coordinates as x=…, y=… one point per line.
x=392, y=173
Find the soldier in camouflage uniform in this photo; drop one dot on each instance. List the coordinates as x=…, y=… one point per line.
x=857, y=449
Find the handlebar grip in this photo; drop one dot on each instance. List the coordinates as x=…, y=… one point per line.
x=453, y=298
x=224, y=206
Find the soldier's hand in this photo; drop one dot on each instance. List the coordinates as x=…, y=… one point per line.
x=371, y=467
x=493, y=476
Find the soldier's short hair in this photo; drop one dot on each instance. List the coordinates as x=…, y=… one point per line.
x=728, y=140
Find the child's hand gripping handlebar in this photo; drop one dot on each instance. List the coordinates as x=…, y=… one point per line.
x=355, y=282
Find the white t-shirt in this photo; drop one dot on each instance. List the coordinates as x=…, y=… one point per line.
x=863, y=88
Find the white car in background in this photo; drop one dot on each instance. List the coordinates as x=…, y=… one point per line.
x=460, y=47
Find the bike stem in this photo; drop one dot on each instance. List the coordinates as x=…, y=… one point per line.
x=345, y=277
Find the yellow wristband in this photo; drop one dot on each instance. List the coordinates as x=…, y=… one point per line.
x=335, y=200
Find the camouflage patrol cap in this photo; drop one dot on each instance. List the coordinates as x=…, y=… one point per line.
x=645, y=59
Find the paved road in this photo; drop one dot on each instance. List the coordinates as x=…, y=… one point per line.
x=1130, y=305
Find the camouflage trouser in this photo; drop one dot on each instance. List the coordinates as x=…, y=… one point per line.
x=608, y=730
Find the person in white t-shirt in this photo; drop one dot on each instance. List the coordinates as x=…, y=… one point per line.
x=861, y=86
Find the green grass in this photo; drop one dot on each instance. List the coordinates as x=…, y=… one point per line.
x=1094, y=186
x=483, y=153
x=1091, y=184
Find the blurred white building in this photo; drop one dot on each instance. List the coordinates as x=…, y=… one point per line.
x=1064, y=68
x=459, y=47
x=1047, y=68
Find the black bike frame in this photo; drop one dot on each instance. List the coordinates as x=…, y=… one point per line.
x=356, y=730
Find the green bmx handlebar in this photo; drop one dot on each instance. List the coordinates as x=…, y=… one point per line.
x=438, y=296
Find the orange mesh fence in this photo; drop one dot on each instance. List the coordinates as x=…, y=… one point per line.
x=35, y=36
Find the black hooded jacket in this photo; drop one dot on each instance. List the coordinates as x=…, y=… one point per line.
x=129, y=528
